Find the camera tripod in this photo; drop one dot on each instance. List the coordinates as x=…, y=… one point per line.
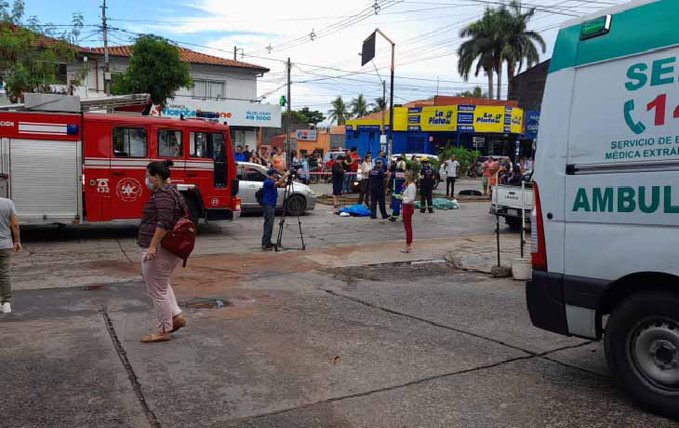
x=289, y=190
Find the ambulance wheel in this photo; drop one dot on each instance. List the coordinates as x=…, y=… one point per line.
x=642, y=348
x=296, y=205
x=194, y=210
x=513, y=223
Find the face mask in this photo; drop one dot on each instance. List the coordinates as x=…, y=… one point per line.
x=150, y=184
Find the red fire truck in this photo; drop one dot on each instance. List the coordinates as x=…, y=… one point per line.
x=62, y=168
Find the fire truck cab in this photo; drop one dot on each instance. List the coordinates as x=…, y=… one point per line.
x=62, y=168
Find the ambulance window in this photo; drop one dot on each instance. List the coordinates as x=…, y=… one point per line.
x=200, y=145
x=130, y=142
x=170, y=144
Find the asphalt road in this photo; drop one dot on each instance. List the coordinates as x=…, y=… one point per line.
x=346, y=334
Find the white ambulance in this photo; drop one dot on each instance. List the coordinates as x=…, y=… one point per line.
x=606, y=218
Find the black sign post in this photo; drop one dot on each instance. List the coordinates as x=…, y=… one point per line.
x=368, y=52
x=367, y=55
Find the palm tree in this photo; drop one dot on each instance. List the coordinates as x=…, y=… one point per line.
x=378, y=105
x=519, y=42
x=484, y=48
x=359, y=106
x=339, y=111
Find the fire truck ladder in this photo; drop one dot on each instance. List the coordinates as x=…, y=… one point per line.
x=54, y=102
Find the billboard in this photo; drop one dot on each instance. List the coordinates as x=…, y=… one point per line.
x=235, y=113
x=306, y=135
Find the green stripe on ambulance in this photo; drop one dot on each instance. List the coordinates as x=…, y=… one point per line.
x=633, y=31
x=642, y=199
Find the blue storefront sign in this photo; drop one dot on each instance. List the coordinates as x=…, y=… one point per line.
x=532, y=124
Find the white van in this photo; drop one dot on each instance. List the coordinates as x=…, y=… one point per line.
x=606, y=218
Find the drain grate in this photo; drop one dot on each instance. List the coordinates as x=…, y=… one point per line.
x=205, y=303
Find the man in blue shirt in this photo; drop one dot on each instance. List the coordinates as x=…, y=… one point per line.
x=271, y=185
x=381, y=157
x=240, y=155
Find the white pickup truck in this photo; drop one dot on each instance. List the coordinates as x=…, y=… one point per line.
x=509, y=201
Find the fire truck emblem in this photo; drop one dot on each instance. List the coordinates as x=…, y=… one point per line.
x=214, y=202
x=102, y=185
x=129, y=189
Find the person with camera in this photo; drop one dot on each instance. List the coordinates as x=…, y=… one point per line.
x=273, y=181
x=377, y=190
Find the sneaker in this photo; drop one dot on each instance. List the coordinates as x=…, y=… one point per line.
x=392, y=219
x=6, y=308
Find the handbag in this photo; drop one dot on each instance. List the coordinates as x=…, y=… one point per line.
x=182, y=238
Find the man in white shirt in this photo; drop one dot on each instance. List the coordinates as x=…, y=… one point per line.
x=9, y=241
x=451, y=172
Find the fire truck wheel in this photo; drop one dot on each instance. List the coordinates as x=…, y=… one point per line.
x=296, y=205
x=193, y=209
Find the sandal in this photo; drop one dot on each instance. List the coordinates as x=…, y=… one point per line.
x=156, y=337
x=407, y=250
x=178, y=321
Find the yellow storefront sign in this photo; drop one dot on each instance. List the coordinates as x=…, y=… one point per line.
x=441, y=119
x=489, y=119
x=453, y=118
x=517, y=121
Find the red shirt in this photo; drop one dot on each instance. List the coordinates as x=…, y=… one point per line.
x=356, y=158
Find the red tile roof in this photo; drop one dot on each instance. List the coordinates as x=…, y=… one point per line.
x=40, y=39
x=187, y=55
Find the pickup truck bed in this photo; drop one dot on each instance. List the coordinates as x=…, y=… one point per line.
x=509, y=201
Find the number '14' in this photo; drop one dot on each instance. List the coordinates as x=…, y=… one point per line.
x=660, y=106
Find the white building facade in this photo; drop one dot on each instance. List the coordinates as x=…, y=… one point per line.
x=224, y=90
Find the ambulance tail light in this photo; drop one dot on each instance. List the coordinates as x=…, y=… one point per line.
x=538, y=248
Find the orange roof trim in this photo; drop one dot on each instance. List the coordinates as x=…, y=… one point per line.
x=187, y=55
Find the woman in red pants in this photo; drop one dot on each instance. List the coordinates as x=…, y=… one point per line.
x=409, y=196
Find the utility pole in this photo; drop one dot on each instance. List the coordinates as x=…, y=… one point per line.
x=384, y=109
x=287, y=120
x=235, y=53
x=104, y=27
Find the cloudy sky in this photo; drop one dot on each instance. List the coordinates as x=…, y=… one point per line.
x=323, y=38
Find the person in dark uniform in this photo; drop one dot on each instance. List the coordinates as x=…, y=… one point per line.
x=337, y=179
x=377, y=190
x=427, y=181
x=397, y=180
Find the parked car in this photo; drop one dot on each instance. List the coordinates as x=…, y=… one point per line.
x=409, y=156
x=419, y=156
x=252, y=176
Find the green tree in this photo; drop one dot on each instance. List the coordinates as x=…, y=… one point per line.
x=28, y=61
x=520, y=44
x=483, y=49
x=311, y=116
x=464, y=156
x=339, y=112
x=359, y=106
x=380, y=104
x=155, y=68
x=477, y=92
